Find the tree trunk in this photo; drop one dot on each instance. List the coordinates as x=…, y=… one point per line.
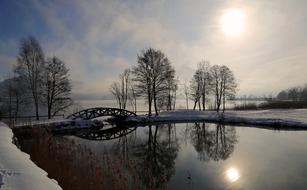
x=149, y=102
x=175, y=98
x=204, y=101
x=155, y=104
x=195, y=103
x=155, y=97
x=169, y=104
x=187, y=102
x=36, y=108
x=135, y=105
x=49, y=112
x=224, y=100
x=16, y=107
x=224, y=96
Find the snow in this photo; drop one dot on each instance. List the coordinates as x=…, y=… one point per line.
x=17, y=171
x=272, y=117
x=276, y=117
x=58, y=124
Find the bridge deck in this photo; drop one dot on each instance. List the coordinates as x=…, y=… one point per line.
x=92, y=113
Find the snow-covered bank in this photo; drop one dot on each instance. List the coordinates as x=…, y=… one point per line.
x=280, y=118
x=271, y=118
x=17, y=171
x=57, y=123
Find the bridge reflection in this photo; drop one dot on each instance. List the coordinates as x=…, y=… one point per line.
x=100, y=134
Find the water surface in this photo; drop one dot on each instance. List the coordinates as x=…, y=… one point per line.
x=205, y=156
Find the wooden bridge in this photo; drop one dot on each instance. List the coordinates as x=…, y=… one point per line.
x=92, y=113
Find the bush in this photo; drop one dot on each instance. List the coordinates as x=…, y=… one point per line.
x=283, y=105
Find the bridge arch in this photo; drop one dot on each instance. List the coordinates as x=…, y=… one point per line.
x=106, y=134
x=92, y=113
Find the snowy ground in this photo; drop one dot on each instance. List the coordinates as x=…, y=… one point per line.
x=282, y=118
x=17, y=171
x=273, y=117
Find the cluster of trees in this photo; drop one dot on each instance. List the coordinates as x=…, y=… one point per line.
x=38, y=81
x=152, y=78
x=293, y=94
x=212, y=81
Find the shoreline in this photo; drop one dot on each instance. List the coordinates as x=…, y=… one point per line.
x=288, y=119
x=17, y=170
x=229, y=117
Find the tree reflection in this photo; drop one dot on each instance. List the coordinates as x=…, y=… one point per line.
x=157, y=155
x=213, y=143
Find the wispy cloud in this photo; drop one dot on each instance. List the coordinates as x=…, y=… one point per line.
x=99, y=39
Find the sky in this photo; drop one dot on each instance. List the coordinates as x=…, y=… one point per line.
x=98, y=39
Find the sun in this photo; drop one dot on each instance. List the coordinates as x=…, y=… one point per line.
x=233, y=22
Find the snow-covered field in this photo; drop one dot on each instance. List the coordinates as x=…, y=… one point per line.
x=282, y=117
x=17, y=171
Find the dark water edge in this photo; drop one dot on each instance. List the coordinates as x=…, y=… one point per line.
x=72, y=165
x=172, y=156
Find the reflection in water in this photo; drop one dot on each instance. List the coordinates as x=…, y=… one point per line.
x=213, y=143
x=232, y=175
x=157, y=155
x=151, y=156
x=105, y=134
x=173, y=156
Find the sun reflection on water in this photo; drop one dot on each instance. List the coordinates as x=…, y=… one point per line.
x=232, y=175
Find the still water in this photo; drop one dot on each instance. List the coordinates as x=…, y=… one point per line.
x=205, y=156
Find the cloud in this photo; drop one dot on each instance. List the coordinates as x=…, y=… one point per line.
x=99, y=39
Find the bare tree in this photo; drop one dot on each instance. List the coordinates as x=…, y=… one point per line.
x=217, y=85
x=125, y=80
x=30, y=64
x=150, y=74
x=229, y=84
x=204, y=70
x=186, y=93
x=224, y=85
x=303, y=96
x=57, y=87
x=116, y=92
x=120, y=90
x=195, y=88
x=132, y=95
x=13, y=96
x=170, y=87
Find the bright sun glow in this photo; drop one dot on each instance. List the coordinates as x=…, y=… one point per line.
x=233, y=22
x=232, y=174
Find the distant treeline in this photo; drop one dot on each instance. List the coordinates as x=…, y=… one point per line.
x=292, y=98
x=293, y=94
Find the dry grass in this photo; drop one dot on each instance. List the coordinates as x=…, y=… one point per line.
x=75, y=167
